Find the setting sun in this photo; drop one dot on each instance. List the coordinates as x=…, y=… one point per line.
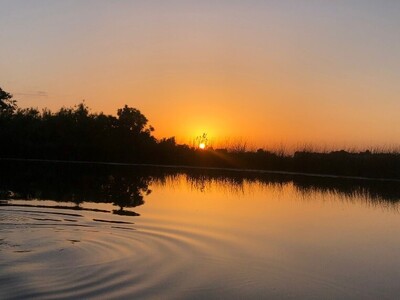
x=202, y=146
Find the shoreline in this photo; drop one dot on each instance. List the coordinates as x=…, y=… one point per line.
x=189, y=167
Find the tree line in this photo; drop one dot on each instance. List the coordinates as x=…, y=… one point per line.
x=77, y=134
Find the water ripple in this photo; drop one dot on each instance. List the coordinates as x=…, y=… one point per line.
x=49, y=253
x=60, y=258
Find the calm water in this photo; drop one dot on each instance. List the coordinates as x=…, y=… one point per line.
x=88, y=233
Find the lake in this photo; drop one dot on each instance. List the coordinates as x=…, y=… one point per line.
x=123, y=232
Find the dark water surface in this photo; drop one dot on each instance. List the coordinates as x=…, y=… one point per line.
x=121, y=232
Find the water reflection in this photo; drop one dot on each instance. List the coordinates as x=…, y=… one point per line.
x=127, y=187
x=122, y=187
x=126, y=191
x=201, y=235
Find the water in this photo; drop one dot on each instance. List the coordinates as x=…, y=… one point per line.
x=123, y=233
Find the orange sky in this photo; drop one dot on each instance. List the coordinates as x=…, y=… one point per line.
x=268, y=72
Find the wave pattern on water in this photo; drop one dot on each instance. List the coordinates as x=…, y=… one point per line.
x=49, y=252
x=90, y=255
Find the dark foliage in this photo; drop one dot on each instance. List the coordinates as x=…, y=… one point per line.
x=76, y=134
x=7, y=104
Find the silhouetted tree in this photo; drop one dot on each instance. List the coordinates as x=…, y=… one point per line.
x=7, y=104
x=77, y=134
x=133, y=120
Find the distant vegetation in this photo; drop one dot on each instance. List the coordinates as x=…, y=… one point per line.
x=77, y=134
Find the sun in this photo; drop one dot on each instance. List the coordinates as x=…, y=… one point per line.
x=202, y=146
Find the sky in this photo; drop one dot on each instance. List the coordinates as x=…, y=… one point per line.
x=270, y=73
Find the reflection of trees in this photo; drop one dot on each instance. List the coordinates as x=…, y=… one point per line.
x=203, y=182
x=74, y=183
x=374, y=191
x=127, y=187
x=126, y=191
x=371, y=190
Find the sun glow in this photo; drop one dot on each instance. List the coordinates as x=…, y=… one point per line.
x=202, y=146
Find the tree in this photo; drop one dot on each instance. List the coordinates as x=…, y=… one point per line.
x=7, y=104
x=133, y=120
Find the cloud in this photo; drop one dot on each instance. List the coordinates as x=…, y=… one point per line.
x=33, y=94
